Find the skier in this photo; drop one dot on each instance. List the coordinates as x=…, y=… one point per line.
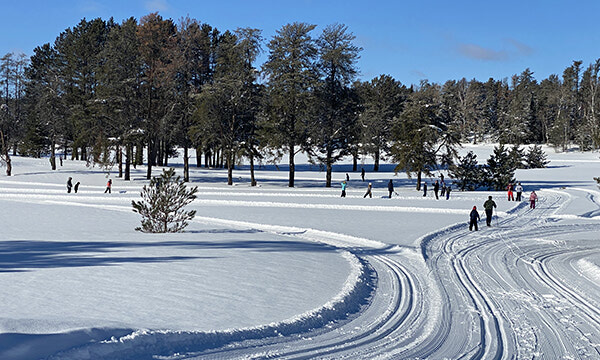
x=489, y=206
x=76, y=187
x=108, y=186
x=424, y=189
x=511, y=197
x=474, y=216
x=442, y=177
x=369, y=191
x=519, y=190
x=344, y=184
x=390, y=188
x=69, y=185
x=443, y=188
x=362, y=173
x=347, y=177
x=532, y=200
x=448, y=189
x=436, y=189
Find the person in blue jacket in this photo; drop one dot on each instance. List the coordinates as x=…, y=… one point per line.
x=344, y=184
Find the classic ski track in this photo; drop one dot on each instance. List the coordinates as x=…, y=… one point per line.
x=399, y=309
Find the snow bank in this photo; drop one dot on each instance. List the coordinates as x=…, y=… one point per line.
x=356, y=293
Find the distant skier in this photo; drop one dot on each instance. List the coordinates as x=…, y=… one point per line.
x=519, y=190
x=362, y=174
x=448, y=189
x=442, y=177
x=69, y=185
x=108, y=186
x=344, y=184
x=474, y=216
x=489, y=206
x=532, y=200
x=369, y=188
x=509, y=188
x=76, y=187
x=390, y=188
x=347, y=177
x=436, y=189
x=424, y=189
x=442, y=188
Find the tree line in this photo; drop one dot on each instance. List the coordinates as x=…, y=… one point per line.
x=110, y=93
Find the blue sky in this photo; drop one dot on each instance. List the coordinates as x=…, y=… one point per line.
x=410, y=40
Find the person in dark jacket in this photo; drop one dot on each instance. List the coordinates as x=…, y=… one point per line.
x=489, y=206
x=448, y=189
x=362, y=174
x=76, y=187
x=474, y=218
x=424, y=189
x=69, y=185
x=390, y=188
x=436, y=189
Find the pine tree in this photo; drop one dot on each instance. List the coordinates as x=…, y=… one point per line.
x=517, y=156
x=162, y=204
x=467, y=174
x=536, y=158
x=500, y=170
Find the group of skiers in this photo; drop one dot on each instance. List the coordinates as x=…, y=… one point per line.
x=76, y=187
x=437, y=186
x=489, y=206
x=70, y=185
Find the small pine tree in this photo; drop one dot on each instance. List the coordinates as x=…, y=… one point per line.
x=536, y=158
x=162, y=204
x=467, y=174
x=500, y=170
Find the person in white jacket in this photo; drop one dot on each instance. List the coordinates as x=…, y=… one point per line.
x=519, y=190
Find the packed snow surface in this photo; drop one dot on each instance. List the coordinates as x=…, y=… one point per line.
x=278, y=272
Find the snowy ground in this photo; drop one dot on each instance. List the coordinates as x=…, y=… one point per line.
x=299, y=273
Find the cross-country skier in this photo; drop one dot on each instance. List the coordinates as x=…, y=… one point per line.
x=69, y=185
x=532, y=199
x=519, y=190
x=424, y=189
x=474, y=216
x=108, y=186
x=76, y=187
x=489, y=206
x=511, y=197
x=448, y=189
x=362, y=174
x=344, y=184
x=369, y=191
x=436, y=189
x=390, y=188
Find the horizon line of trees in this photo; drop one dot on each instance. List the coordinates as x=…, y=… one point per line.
x=108, y=93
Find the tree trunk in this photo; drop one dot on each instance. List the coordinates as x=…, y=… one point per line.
x=150, y=158
x=419, y=181
x=186, y=165
x=128, y=156
x=292, y=166
x=230, y=168
x=198, y=157
x=252, y=179
x=354, y=161
x=6, y=155
x=376, y=166
x=120, y=160
x=328, y=162
x=53, y=155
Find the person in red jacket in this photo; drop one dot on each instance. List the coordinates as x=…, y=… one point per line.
x=108, y=186
x=511, y=197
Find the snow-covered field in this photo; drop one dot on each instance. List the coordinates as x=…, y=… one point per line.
x=278, y=272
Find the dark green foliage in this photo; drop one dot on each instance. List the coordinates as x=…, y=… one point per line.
x=517, y=157
x=162, y=204
x=535, y=158
x=467, y=173
x=500, y=170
